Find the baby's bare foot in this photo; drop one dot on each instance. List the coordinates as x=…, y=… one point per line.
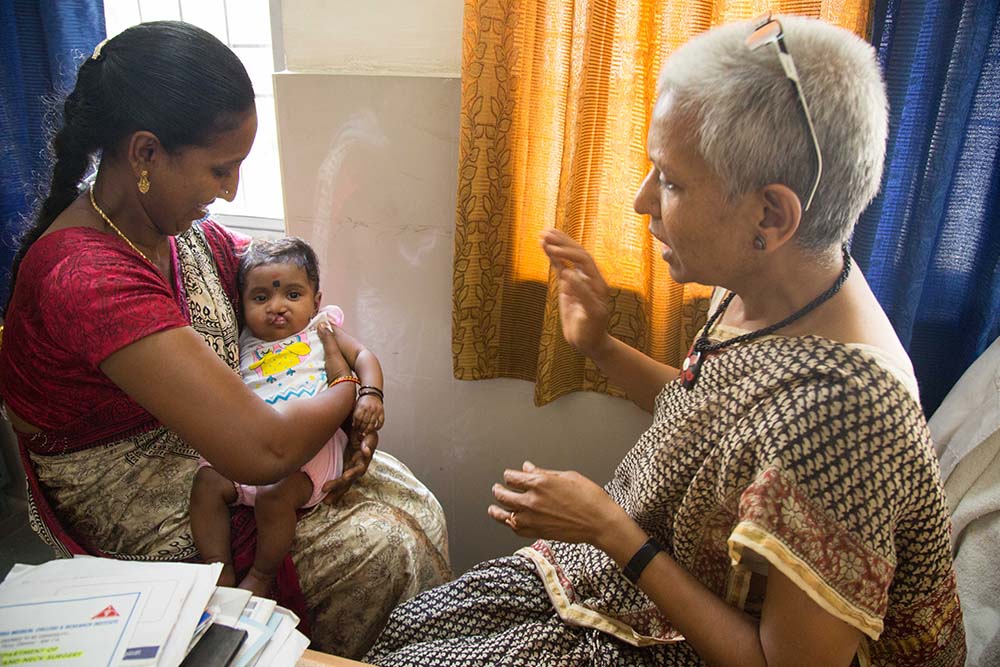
x=258, y=583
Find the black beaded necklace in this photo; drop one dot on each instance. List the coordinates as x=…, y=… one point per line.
x=702, y=346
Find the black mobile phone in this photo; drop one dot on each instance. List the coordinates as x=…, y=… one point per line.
x=216, y=648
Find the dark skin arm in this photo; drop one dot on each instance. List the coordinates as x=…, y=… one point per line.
x=181, y=382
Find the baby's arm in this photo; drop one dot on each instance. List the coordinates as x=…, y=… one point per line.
x=369, y=412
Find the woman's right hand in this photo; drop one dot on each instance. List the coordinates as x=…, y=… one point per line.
x=584, y=307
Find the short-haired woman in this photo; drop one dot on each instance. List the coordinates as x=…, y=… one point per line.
x=784, y=507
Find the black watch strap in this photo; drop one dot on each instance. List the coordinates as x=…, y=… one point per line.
x=641, y=559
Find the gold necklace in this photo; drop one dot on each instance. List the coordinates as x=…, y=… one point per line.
x=114, y=226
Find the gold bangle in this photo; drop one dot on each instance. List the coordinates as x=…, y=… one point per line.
x=343, y=378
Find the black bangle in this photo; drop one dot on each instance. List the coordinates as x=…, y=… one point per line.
x=371, y=391
x=374, y=390
x=641, y=559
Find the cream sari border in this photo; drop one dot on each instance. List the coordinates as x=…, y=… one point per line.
x=748, y=535
x=579, y=615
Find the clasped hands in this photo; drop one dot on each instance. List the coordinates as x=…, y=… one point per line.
x=367, y=419
x=357, y=457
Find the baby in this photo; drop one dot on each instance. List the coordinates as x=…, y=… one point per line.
x=282, y=358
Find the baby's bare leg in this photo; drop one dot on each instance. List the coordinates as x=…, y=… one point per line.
x=274, y=510
x=211, y=495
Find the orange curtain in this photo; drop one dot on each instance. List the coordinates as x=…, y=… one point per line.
x=556, y=101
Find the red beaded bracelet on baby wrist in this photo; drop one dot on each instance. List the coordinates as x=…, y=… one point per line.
x=343, y=378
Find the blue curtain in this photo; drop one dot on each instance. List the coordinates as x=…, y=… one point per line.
x=42, y=43
x=930, y=243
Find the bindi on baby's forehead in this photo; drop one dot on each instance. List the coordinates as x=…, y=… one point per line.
x=277, y=277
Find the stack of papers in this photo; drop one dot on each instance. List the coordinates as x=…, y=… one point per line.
x=97, y=611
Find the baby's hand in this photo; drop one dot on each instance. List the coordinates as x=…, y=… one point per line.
x=369, y=414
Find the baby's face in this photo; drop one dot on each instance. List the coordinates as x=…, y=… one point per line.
x=278, y=301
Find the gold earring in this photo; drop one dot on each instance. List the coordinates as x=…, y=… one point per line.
x=144, y=182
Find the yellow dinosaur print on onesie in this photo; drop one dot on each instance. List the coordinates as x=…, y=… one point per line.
x=275, y=362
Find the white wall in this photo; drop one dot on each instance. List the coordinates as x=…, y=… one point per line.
x=408, y=37
x=369, y=169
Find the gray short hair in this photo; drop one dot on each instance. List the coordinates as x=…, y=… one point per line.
x=751, y=130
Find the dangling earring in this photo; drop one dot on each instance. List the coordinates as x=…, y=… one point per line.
x=144, y=182
x=759, y=242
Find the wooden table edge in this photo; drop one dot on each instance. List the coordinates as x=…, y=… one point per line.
x=317, y=659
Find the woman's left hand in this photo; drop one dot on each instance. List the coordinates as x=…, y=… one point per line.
x=357, y=457
x=554, y=504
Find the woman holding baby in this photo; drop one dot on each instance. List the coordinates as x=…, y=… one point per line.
x=120, y=351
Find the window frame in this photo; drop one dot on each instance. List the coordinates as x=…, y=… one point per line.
x=260, y=226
